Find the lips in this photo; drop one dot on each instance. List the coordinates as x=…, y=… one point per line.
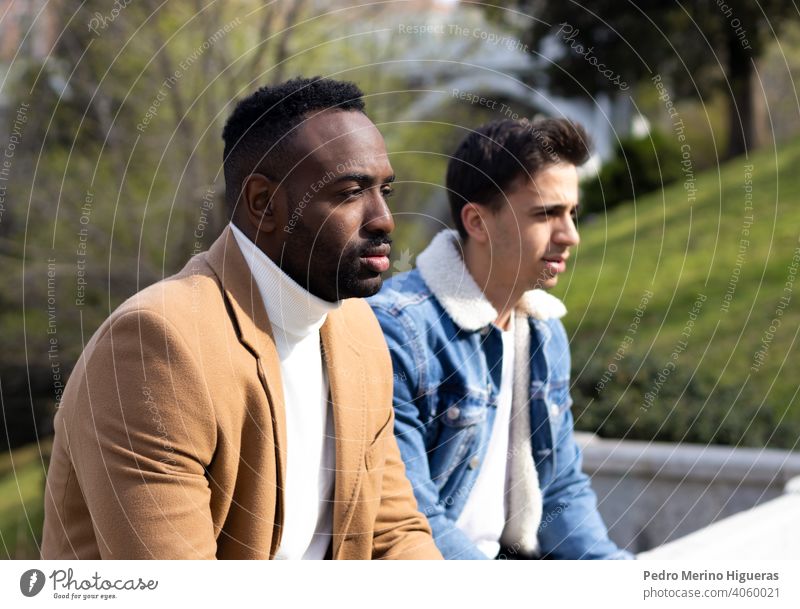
x=377, y=258
x=556, y=264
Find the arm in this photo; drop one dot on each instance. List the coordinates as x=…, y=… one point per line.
x=571, y=526
x=401, y=532
x=409, y=430
x=140, y=431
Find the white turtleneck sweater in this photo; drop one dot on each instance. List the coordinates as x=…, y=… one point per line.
x=296, y=317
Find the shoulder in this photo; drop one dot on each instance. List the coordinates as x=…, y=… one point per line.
x=185, y=305
x=148, y=351
x=406, y=306
x=401, y=292
x=358, y=318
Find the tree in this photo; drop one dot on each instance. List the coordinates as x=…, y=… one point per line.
x=700, y=47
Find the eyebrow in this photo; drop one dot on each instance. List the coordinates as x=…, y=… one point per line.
x=554, y=206
x=362, y=178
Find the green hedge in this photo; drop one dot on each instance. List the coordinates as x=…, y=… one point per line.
x=639, y=166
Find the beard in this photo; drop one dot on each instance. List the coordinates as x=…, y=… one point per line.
x=320, y=264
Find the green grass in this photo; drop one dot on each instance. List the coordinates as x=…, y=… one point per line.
x=22, y=474
x=677, y=249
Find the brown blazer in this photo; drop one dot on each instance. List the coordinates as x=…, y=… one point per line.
x=170, y=438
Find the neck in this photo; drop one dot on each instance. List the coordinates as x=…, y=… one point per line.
x=288, y=304
x=502, y=295
x=258, y=239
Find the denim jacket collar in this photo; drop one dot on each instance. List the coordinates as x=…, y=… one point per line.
x=442, y=267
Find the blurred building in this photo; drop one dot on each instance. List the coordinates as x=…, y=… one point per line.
x=28, y=31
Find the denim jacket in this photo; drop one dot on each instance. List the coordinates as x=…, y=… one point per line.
x=447, y=356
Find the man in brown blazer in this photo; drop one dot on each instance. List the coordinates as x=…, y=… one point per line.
x=243, y=407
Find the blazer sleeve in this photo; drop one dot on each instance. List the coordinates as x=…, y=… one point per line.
x=401, y=531
x=140, y=433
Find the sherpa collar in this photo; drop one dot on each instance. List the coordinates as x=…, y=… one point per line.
x=442, y=268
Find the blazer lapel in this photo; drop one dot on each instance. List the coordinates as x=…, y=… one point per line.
x=255, y=333
x=347, y=386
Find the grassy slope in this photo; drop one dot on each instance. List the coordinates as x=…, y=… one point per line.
x=678, y=249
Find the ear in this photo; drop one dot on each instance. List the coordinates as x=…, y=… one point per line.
x=473, y=218
x=258, y=206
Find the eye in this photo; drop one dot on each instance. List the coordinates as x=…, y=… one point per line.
x=387, y=191
x=349, y=195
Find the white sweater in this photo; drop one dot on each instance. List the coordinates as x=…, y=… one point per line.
x=296, y=317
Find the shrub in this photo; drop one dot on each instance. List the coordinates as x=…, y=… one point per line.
x=640, y=165
x=687, y=407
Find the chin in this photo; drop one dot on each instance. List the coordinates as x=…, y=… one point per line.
x=361, y=288
x=548, y=284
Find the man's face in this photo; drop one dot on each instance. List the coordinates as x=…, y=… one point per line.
x=335, y=218
x=532, y=233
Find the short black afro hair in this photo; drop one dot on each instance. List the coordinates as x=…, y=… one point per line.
x=261, y=125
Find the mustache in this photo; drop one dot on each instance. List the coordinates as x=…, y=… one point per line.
x=374, y=242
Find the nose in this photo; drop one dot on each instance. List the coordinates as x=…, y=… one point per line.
x=378, y=218
x=567, y=233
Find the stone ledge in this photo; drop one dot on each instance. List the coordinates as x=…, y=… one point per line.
x=769, y=531
x=694, y=462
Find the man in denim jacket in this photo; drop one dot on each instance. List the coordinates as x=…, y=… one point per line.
x=481, y=359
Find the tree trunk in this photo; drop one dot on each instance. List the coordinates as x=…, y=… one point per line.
x=741, y=119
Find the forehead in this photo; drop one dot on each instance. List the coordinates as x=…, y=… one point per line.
x=553, y=184
x=346, y=140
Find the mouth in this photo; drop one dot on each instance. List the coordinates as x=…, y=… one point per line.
x=555, y=264
x=377, y=258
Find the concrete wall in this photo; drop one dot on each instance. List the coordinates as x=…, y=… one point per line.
x=770, y=531
x=652, y=493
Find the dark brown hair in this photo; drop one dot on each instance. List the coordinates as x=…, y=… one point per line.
x=492, y=156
